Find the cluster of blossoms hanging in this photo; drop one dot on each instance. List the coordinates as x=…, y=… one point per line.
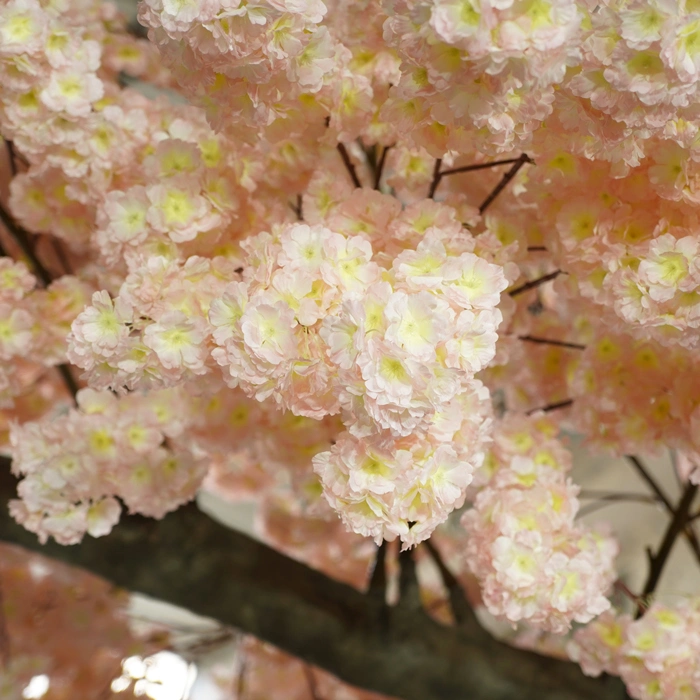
x=294, y=288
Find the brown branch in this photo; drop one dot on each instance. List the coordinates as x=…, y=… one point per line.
x=436, y=178
x=675, y=528
x=461, y=610
x=190, y=560
x=547, y=341
x=22, y=238
x=524, y=158
x=551, y=407
x=534, y=283
x=349, y=166
x=11, y=157
x=643, y=472
x=479, y=166
x=536, y=249
x=380, y=167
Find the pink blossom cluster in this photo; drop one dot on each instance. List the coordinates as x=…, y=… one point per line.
x=270, y=66
x=154, y=333
x=322, y=327
x=75, y=466
x=33, y=325
x=533, y=562
x=58, y=69
x=656, y=655
x=632, y=247
x=483, y=70
x=631, y=394
x=384, y=486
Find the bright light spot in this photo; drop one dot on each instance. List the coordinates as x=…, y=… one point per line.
x=119, y=685
x=163, y=676
x=134, y=667
x=36, y=688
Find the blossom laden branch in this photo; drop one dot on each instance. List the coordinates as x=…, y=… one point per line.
x=188, y=559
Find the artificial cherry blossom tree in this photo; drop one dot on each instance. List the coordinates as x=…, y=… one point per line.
x=366, y=263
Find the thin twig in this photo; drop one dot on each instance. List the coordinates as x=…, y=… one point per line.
x=550, y=407
x=11, y=157
x=536, y=249
x=22, y=238
x=660, y=493
x=436, y=178
x=651, y=482
x=675, y=528
x=479, y=166
x=380, y=167
x=547, y=341
x=461, y=610
x=524, y=158
x=610, y=499
x=68, y=379
x=534, y=283
x=349, y=164
x=61, y=255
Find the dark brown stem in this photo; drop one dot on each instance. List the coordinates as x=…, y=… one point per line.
x=461, y=610
x=479, y=166
x=675, y=528
x=550, y=407
x=524, y=158
x=609, y=499
x=349, y=166
x=380, y=168
x=436, y=178
x=547, y=341
x=22, y=238
x=643, y=472
x=11, y=157
x=536, y=249
x=534, y=283
x=62, y=257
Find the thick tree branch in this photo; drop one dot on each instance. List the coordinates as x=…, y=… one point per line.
x=190, y=560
